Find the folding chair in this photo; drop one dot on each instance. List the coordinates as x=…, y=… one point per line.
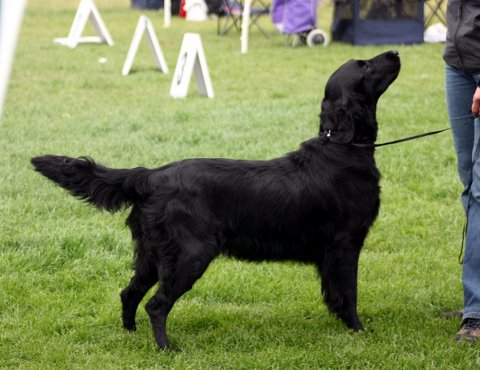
x=435, y=10
x=233, y=12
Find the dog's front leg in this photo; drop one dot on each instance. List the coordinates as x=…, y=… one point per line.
x=338, y=272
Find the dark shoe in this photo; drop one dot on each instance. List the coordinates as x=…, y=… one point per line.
x=470, y=330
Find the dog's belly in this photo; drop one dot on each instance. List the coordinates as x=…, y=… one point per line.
x=272, y=250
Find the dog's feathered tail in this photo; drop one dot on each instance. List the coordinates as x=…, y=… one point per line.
x=106, y=188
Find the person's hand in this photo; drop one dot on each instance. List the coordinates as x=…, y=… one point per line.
x=476, y=103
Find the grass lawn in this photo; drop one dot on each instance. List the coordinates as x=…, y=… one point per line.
x=63, y=264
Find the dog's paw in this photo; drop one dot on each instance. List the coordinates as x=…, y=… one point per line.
x=130, y=326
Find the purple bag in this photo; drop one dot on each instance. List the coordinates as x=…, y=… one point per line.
x=294, y=16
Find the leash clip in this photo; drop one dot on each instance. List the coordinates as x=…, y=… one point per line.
x=329, y=133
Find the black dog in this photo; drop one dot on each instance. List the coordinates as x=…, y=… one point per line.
x=314, y=205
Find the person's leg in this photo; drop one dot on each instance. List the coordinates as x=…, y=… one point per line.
x=459, y=92
x=471, y=264
x=470, y=329
x=476, y=157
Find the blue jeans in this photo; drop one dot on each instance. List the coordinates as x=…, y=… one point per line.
x=459, y=88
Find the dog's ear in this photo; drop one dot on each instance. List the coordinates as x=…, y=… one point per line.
x=336, y=118
x=345, y=118
x=326, y=116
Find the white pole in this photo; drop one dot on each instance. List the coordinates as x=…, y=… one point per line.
x=167, y=13
x=245, y=25
x=11, y=13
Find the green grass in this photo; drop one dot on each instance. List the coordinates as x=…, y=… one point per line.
x=62, y=264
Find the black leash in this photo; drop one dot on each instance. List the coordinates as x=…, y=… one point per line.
x=400, y=140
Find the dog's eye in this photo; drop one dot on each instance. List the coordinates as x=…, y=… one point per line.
x=366, y=67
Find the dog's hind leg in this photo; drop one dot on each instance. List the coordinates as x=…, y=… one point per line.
x=146, y=275
x=338, y=272
x=177, y=276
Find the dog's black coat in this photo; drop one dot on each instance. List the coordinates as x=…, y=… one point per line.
x=314, y=205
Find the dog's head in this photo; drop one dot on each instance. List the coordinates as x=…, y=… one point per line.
x=351, y=95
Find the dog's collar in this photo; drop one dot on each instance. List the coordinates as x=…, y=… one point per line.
x=327, y=134
x=331, y=136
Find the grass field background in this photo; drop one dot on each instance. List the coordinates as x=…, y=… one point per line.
x=63, y=264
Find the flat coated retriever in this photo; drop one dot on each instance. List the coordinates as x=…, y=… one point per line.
x=314, y=205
